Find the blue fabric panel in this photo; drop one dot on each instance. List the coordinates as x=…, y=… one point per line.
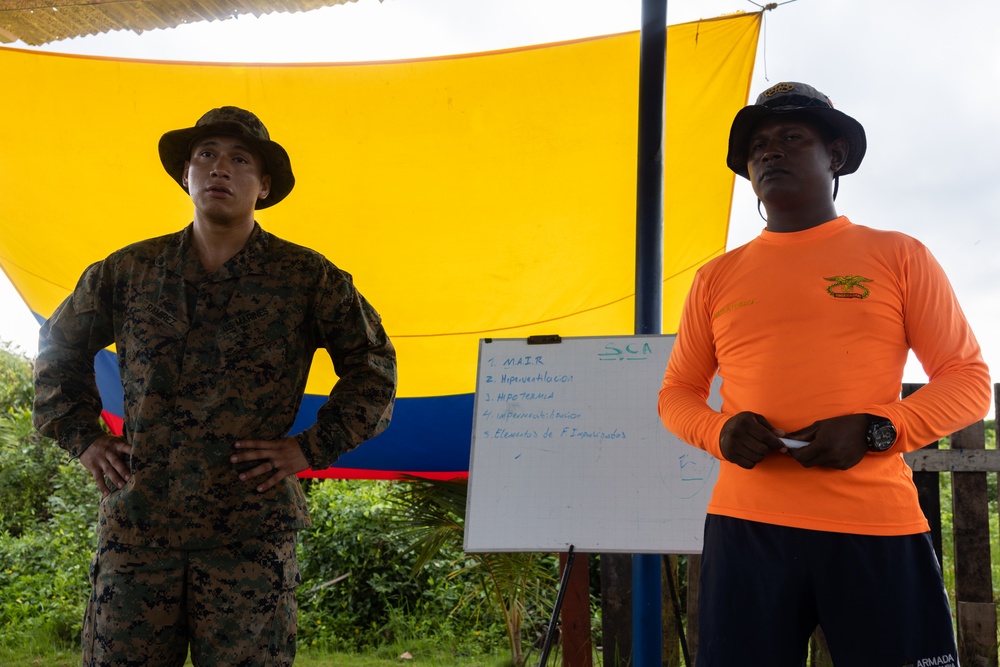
x=427, y=434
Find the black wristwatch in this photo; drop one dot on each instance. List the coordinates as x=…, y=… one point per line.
x=881, y=434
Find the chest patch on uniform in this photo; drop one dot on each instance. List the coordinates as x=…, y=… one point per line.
x=848, y=287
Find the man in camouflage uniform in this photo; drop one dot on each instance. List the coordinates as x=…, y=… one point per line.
x=215, y=328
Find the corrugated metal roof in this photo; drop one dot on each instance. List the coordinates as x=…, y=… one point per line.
x=35, y=22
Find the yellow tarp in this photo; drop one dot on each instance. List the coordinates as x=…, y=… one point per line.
x=473, y=196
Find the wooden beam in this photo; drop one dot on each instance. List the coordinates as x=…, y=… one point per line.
x=616, y=609
x=977, y=632
x=694, y=584
x=577, y=649
x=954, y=460
x=973, y=573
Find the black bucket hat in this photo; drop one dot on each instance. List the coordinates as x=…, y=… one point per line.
x=792, y=97
x=175, y=148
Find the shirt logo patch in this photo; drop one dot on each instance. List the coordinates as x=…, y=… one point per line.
x=843, y=287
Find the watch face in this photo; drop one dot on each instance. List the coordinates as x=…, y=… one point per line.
x=881, y=435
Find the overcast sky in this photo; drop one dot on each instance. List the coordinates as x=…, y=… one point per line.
x=922, y=77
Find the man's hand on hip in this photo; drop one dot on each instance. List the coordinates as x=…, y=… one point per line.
x=105, y=458
x=279, y=459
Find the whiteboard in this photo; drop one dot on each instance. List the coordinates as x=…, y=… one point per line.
x=568, y=449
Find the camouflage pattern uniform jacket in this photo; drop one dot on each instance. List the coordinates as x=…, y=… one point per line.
x=206, y=360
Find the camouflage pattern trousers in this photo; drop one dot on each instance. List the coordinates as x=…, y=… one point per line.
x=235, y=605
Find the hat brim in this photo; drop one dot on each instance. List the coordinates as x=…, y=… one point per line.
x=175, y=150
x=842, y=125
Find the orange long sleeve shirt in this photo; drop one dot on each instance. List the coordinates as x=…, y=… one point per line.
x=816, y=324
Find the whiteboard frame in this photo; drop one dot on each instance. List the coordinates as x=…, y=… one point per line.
x=646, y=492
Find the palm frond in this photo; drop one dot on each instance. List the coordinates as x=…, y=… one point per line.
x=520, y=585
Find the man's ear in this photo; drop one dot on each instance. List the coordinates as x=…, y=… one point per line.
x=838, y=153
x=184, y=174
x=265, y=187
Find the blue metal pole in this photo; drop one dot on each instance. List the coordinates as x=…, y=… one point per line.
x=647, y=633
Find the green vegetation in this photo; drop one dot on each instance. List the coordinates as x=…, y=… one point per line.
x=516, y=583
x=361, y=588
x=46, y=523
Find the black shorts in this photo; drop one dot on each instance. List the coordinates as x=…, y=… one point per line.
x=881, y=601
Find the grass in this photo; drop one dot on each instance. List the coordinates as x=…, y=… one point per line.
x=305, y=658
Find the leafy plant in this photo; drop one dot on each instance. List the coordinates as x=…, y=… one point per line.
x=28, y=466
x=16, y=391
x=43, y=579
x=357, y=591
x=28, y=462
x=433, y=512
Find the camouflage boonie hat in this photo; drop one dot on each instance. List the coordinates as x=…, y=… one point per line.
x=175, y=148
x=792, y=97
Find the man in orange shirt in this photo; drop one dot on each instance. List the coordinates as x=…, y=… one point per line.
x=814, y=519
